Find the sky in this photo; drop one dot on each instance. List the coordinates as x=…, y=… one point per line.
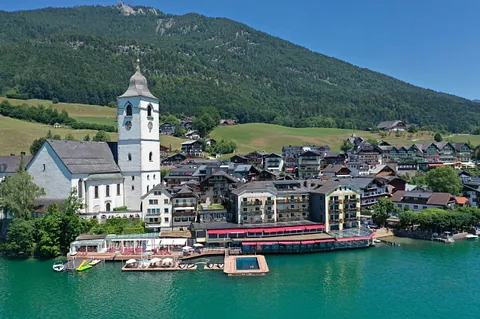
x=430, y=43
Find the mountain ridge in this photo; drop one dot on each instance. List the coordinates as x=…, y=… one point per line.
x=86, y=54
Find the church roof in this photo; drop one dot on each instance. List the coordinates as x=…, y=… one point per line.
x=82, y=157
x=138, y=85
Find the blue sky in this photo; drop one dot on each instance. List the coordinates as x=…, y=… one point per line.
x=430, y=43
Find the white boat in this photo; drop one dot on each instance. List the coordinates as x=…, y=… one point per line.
x=377, y=241
x=58, y=266
x=471, y=236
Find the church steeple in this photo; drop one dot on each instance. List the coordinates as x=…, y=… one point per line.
x=138, y=85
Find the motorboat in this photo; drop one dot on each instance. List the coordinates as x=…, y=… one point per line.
x=84, y=266
x=377, y=241
x=58, y=266
x=94, y=262
x=471, y=236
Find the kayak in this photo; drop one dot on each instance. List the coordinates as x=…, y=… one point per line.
x=83, y=266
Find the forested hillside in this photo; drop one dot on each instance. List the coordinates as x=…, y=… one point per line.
x=86, y=55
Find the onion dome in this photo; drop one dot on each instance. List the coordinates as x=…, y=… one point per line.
x=138, y=85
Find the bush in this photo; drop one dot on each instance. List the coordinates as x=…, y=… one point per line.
x=55, y=100
x=120, y=209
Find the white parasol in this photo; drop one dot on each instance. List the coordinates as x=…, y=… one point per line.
x=197, y=245
x=131, y=261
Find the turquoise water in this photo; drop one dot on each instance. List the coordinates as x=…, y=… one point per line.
x=420, y=280
x=244, y=263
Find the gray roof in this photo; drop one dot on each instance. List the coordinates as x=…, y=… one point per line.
x=9, y=164
x=388, y=124
x=82, y=157
x=138, y=86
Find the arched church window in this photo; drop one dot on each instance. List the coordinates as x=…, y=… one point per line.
x=148, y=188
x=148, y=177
x=154, y=177
x=129, y=110
x=107, y=207
x=129, y=157
x=150, y=157
x=80, y=188
x=149, y=110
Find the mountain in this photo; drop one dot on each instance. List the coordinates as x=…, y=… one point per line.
x=86, y=55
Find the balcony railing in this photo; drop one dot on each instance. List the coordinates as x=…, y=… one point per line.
x=184, y=205
x=251, y=203
x=336, y=201
x=269, y=202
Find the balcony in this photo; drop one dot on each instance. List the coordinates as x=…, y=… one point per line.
x=352, y=219
x=336, y=201
x=251, y=203
x=184, y=205
x=283, y=201
x=269, y=202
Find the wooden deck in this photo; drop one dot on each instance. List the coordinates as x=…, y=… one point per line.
x=175, y=268
x=231, y=266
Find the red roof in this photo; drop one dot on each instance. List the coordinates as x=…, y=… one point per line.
x=309, y=227
x=273, y=230
x=306, y=242
x=289, y=243
x=461, y=200
x=218, y=231
x=249, y=243
x=268, y=243
x=255, y=230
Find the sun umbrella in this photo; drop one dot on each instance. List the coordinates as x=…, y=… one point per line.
x=197, y=245
x=167, y=261
x=187, y=248
x=131, y=261
x=155, y=260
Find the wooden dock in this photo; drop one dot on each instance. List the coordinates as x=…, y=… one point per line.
x=230, y=267
x=175, y=268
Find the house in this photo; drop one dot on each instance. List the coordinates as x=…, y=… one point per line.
x=291, y=153
x=167, y=129
x=337, y=171
x=178, y=175
x=334, y=158
x=193, y=135
x=157, y=208
x=336, y=204
x=192, y=148
x=239, y=159
x=184, y=203
x=210, y=141
x=10, y=164
x=57, y=125
x=273, y=162
x=309, y=164
x=96, y=177
x=187, y=123
x=371, y=189
x=367, y=153
x=417, y=200
x=216, y=188
x=361, y=169
x=256, y=158
x=227, y=122
x=164, y=151
x=245, y=172
x=462, y=202
x=355, y=140
x=174, y=159
x=471, y=190
x=389, y=126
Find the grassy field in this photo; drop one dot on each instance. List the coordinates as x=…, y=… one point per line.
x=271, y=138
x=16, y=136
x=81, y=112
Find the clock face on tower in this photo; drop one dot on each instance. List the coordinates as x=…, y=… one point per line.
x=128, y=125
x=150, y=125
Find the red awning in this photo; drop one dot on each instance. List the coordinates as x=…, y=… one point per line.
x=372, y=235
x=273, y=230
x=308, y=227
x=249, y=243
x=289, y=243
x=307, y=242
x=254, y=230
x=218, y=231
x=237, y=231
x=268, y=243
x=324, y=240
x=294, y=228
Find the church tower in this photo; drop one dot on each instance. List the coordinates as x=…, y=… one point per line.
x=138, y=139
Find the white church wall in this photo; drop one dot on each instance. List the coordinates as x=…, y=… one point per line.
x=49, y=172
x=99, y=204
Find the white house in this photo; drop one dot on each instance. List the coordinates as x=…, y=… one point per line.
x=157, y=208
x=273, y=162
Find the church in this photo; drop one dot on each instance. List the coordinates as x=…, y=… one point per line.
x=110, y=178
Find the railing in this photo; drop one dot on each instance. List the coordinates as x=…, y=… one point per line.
x=337, y=201
x=251, y=203
x=269, y=202
x=184, y=205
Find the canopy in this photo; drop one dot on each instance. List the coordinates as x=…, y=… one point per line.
x=255, y=230
x=273, y=230
x=180, y=241
x=249, y=243
x=268, y=243
x=309, y=227
x=197, y=245
x=131, y=261
x=307, y=242
x=167, y=242
x=294, y=228
x=289, y=243
x=167, y=260
x=187, y=248
x=155, y=260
